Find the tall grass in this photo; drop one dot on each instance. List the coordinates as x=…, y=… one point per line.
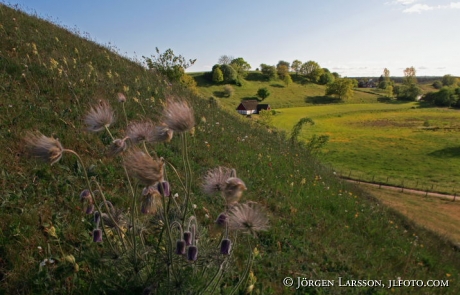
x=321, y=227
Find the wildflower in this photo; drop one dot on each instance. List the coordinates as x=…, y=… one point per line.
x=97, y=218
x=118, y=219
x=188, y=237
x=117, y=147
x=164, y=188
x=248, y=218
x=144, y=168
x=222, y=219
x=233, y=190
x=192, y=253
x=215, y=180
x=178, y=115
x=97, y=235
x=89, y=208
x=85, y=196
x=99, y=117
x=151, y=200
x=225, y=247
x=46, y=148
x=180, y=247
x=121, y=97
x=140, y=131
x=161, y=133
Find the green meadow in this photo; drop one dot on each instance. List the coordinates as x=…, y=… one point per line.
x=399, y=144
x=321, y=227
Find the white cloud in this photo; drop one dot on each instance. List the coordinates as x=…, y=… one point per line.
x=418, y=8
x=405, y=2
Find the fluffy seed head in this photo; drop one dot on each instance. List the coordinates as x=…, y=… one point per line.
x=151, y=200
x=161, y=133
x=215, y=180
x=99, y=116
x=140, y=131
x=117, y=147
x=247, y=218
x=233, y=190
x=43, y=147
x=141, y=166
x=178, y=115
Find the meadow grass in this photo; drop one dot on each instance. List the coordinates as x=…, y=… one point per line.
x=320, y=226
x=389, y=143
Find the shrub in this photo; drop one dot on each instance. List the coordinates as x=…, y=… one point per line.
x=228, y=90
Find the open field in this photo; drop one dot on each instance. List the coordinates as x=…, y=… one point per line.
x=398, y=144
x=437, y=214
x=321, y=227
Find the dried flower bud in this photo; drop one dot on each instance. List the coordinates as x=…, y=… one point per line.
x=163, y=187
x=89, y=208
x=188, y=237
x=121, y=97
x=225, y=247
x=97, y=235
x=222, y=219
x=180, y=247
x=85, y=195
x=192, y=253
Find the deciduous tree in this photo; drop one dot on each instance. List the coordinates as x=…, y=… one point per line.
x=263, y=93
x=296, y=65
x=342, y=88
x=225, y=59
x=241, y=66
x=269, y=71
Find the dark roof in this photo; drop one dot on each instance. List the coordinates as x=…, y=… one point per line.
x=263, y=106
x=248, y=105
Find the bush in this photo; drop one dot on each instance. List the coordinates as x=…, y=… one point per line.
x=437, y=84
x=228, y=90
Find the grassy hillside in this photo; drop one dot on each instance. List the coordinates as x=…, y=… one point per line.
x=321, y=228
x=281, y=96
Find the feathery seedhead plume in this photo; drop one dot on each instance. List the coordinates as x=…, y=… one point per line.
x=117, y=147
x=151, y=200
x=121, y=97
x=233, y=190
x=225, y=247
x=178, y=115
x=247, y=218
x=192, y=253
x=99, y=116
x=161, y=133
x=139, y=131
x=119, y=219
x=46, y=148
x=141, y=166
x=215, y=180
x=97, y=235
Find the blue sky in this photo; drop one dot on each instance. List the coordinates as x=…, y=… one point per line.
x=351, y=37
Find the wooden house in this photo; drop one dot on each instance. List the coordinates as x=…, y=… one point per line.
x=249, y=107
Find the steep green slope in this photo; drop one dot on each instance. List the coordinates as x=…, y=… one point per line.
x=321, y=228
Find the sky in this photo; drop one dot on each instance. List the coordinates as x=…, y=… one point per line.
x=354, y=38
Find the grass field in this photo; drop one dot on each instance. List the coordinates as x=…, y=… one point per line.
x=321, y=227
x=398, y=144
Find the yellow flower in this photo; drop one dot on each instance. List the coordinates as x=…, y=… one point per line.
x=126, y=89
x=53, y=63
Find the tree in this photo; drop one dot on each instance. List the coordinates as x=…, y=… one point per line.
x=410, y=89
x=230, y=75
x=228, y=90
x=287, y=80
x=269, y=71
x=326, y=78
x=169, y=64
x=386, y=74
x=263, y=93
x=437, y=84
x=282, y=69
x=296, y=65
x=311, y=70
x=225, y=59
x=448, y=80
x=240, y=66
x=266, y=117
x=217, y=75
x=342, y=88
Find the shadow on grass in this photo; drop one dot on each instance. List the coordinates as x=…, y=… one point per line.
x=251, y=98
x=322, y=99
x=390, y=100
x=256, y=77
x=450, y=152
x=219, y=94
x=277, y=85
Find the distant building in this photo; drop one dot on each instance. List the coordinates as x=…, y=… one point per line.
x=249, y=107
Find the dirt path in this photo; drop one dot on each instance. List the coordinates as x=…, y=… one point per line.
x=406, y=190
